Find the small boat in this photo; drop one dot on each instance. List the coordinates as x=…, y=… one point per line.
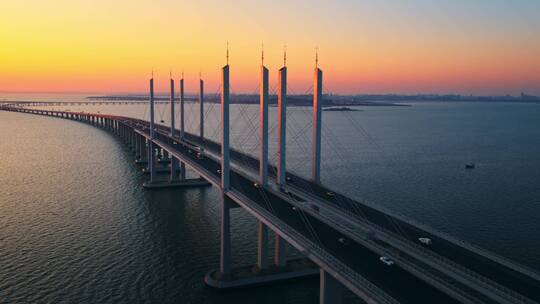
x=470, y=166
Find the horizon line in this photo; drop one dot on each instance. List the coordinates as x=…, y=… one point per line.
x=245, y=93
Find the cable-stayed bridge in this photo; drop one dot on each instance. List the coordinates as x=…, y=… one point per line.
x=378, y=255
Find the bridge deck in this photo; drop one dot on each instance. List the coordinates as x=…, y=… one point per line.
x=412, y=281
x=504, y=273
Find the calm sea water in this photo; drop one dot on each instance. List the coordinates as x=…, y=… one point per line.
x=76, y=226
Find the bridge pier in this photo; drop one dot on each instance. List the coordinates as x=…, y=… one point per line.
x=173, y=177
x=163, y=156
x=280, y=251
x=151, y=145
x=151, y=163
x=143, y=149
x=137, y=143
x=124, y=131
x=330, y=289
x=132, y=142
x=262, y=248
x=225, y=261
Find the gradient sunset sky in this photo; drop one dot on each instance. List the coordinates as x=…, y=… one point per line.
x=414, y=46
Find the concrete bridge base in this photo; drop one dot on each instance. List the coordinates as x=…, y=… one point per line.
x=195, y=182
x=251, y=276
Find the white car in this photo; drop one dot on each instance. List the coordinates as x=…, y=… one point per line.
x=386, y=260
x=425, y=241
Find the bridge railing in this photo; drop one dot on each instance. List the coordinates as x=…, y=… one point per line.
x=319, y=253
x=443, y=264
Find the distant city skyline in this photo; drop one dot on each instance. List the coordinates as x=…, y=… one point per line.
x=366, y=47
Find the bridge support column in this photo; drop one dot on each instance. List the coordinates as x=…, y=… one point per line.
x=137, y=140
x=151, y=145
x=182, y=123
x=316, y=139
x=280, y=251
x=182, y=171
x=173, y=177
x=263, y=128
x=201, y=112
x=262, y=248
x=225, y=128
x=262, y=252
x=282, y=127
x=164, y=156
x=225, y=261
x=181, y=84
x=330, y=289
x=225, y=264
x=152, y=161
x=132, y=139
x=143, y=149
x=172, y=107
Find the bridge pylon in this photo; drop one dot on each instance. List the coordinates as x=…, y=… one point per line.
x=165, y=161
x=262, y=248
x=316, y=136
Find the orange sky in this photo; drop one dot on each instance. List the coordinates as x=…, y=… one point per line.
x=489, y=47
